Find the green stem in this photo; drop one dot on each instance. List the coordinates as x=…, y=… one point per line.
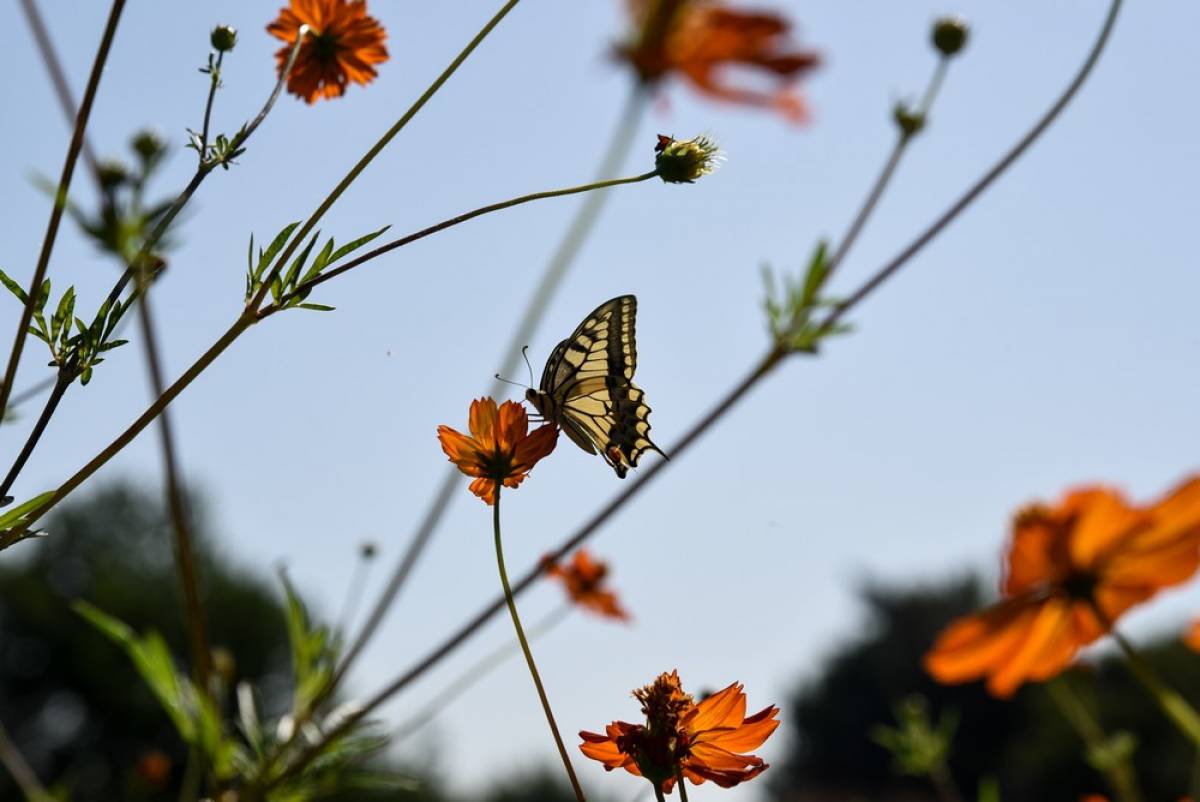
x=475, y=673
x=60, y=203
x=1121, y=778
x=214, y=82
x=375, y=150
x=22, y=774
x=1177, y=709
x=453, y=221
x=533, y=671
x=658, y=794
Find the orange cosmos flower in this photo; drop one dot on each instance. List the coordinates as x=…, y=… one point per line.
x=1191, y=638
x=500, y=449
x=700, y=39
x=700, y=741
x=341, y=46
x=583, y=579
x=1072, y=571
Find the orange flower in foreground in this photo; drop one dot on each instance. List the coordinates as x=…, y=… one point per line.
x=583, y=578
x=1072, y=571
x=500, y=449
x=699, y=39
x=702, y=741
x=1191, y=638
x=341, y=46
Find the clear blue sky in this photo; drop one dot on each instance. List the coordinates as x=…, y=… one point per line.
x=1048, y=339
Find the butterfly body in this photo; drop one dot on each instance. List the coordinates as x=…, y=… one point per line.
x=587, y=387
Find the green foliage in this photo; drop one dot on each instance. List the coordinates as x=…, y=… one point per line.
x=791, y=305
x=19, y=519
x=289, y=288
x=918, y=747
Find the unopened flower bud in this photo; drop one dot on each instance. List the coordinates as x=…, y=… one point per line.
x=367, y=550
x=949, y=35
x=223, y=38
x=148, y=144
x=910, y=122
x=684, y=161
x=112, y=173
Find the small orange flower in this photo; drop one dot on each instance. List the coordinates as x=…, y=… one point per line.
x=341, y=46
x=1073, y=570
x=1191, y=638
x=501, y=449
x=583, y=579
x=698, y=39
x=702, y=741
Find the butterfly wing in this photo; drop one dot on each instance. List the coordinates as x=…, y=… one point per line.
x=588, y=381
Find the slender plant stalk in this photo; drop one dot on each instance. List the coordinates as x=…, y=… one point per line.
x=1121, y=778
x=681, y=785
x=731, y=399
x=62, y=381
x=453, y=221
x=474, y=674
x=658, y=794
x=58, y=78
x=60, y=197
x=22, y=774
x=1178, y=710
x=214, y=83
x=533, y=671
x=185, y=552
x=903, y=138
x=256, y=301
x=564, y=255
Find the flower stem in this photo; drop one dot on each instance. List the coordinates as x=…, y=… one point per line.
x=22, y=774
x=1121, y=777
x=375, y=150
x=60, y=203
x=453, y=221
x=679, y=782
x=62, y=381
x=658, y=794
x=214, y=82
x=537, y=680
x=475, y=673
x=1182, y=715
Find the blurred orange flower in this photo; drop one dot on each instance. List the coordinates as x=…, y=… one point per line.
x=700, y=39
x=584, y=578
x=700, y=741
x=1072, y=571
x=341, y=46
x=500, y=448
x=1191, y=638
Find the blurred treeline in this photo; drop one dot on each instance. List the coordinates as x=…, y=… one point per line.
x=72, y=702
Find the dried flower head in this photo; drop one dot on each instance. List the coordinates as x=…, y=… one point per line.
x=343, y=45
x=700, y=39
x=683, y=738
x=501, y=449
x=583, y=578
x=685, y=161
x=1073, y=570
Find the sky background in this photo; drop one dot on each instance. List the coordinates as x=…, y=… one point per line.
x=1047, y=339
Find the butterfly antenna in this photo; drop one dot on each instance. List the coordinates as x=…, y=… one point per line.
x=498, y=377
x=525, y=356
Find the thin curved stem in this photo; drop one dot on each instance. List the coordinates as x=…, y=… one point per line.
x=256, y=301
x=985, y=181
x=683, y=797
x=1177, y=709
x=556, y=269
x=478, y=670
x=22, y=773
x=453, y=221
x=213, y=84
x=1121, y=777
x=62, y=381
x=533, y=670
x=60, y=198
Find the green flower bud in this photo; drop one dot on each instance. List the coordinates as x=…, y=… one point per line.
x=223, y=38
x=684, y=161
x=910, y=122
x=148, y=144
x=949, y=35
x=112, y=173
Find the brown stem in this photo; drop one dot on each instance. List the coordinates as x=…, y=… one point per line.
x=58, y=78
x=22, y=774
x=60, y=196
x=185, y=554
x=61, y=383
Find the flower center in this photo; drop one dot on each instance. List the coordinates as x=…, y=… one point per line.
x=325, y=46
x=1080, y=586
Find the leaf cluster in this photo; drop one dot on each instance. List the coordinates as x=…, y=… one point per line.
x=918, y=747
x=289, y=288
x=75, y=345
x=791, y=305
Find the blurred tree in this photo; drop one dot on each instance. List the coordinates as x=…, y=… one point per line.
x=1024, y=743
x=542, y=785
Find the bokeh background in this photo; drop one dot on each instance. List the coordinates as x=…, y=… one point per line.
x=1047, y=339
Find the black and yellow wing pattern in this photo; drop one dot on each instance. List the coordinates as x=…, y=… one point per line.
x=587, y=387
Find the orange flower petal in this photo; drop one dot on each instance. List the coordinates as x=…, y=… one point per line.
x=725, y=708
